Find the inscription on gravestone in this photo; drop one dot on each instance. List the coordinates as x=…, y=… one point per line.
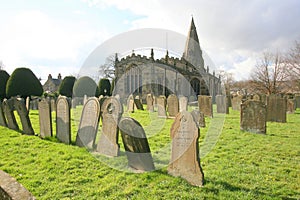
x=88, y=125
x=45, y=118
x=20, y=106
x=63, y=124
x=136, y=145
x=205, y=105
x=185, y=160
x=173, y=105
x=111, y=110
x=8, y=106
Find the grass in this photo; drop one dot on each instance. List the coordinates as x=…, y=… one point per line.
x=240, y=165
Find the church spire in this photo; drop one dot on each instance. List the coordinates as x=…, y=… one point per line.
x=193, y=52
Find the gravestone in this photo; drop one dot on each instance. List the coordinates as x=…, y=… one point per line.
x=205, y=105
x=198, y=118
x=150, y=102
x=222, y=105
x=297, y=98
x=111, y=111
x=136, y=145
x=34, y=104
x=185, y=159
x=172, y=105
x=130, y=104
x=52, y=104
x=8, y=107
x=138, y=103
x=183, y=103
x=161, y=106
x=28, y=103
x=88, y=125
x=20, y=106
x=45, y=118
x=291, y=106
x=63, y=123
x=236, y=102
x=2, y=117
x=253, y=116
x=276, y=108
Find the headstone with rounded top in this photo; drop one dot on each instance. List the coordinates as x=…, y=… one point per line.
x=183, y=103
x=150, y=102
x=172, y=105
x=161, y=106
x=63, y=122
x=45, y=118
x=205, y=105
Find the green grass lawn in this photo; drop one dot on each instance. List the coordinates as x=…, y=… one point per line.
x=240, y=165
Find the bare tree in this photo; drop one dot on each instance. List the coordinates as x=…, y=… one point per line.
x=269, y=74
x=292, y=62
x=107, y=70
x=227, y=81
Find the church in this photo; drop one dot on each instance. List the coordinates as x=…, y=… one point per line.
x=187, y=76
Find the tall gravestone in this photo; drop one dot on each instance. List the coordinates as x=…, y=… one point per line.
x=45, y=118
x=63, y=120
x=185, y=159
x=161, y=106
x=88, y=125
x=198, y=118
x=172, y=105
x=183, y=103
x=276, y=108
x=253, y=116
x=20, y=106
x=150, y=102
x=8, y=107
x=205, y=105
x=236, y=102
x=2, y=117
x=222, y=105
x=111, y=111
x=138, y=103
x=136, y=145
x=130, y=104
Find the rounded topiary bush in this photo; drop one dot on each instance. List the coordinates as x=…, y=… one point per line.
x=104, y=87
x=4, y=76
x=24, y=83
x=85, y=86
x=66, y=86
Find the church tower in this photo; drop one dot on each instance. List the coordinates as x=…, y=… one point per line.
x=193, y=52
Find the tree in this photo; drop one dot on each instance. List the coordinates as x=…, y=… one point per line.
x=66, y=86
x=292, y=62
x=227, y=81
x=24, y=83
x=85, y=86
x=107, y=70
x=4, y=76
x=104, y=87
x=269, y=74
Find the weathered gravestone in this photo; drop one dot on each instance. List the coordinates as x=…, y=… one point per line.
x=52, y=104
x=138, y=103
x=198, y=118
x=183, y=103
x=136, y=145
x=111, y=111
x=20, y=106
x=222, y=105
x=63, y=123
x=2, y=117
x=172, y=105
x=205, y=105
x=185, y=160
x=150, y=102
x=45, y=118
x=291, y=106
x=88, y=125
x=253, y=116
x=8, y=107
x=161, y=106
x=276, y=109
x=297, y=98
x=130, y=104
x=236, y=102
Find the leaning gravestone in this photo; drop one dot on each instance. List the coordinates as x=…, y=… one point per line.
x=161, y=106
x=8, y=107
x=112, y=111
x=291, y=106
x=222, y=105
x=150, y=102
x=205, y=105
x=236, y=102
x=172, y=105
x=88, y=125
x=45, y=118
x=185, y=160
x=253, y=116
x=2, y=117
x=183, y=103
x=276, y=108
x=198, y=118
x=130, y=104
x=136, y=145
x=63, y=123
x=20, y=106
x=138, y=103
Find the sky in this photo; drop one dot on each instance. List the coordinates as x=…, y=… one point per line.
x=56, y=36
